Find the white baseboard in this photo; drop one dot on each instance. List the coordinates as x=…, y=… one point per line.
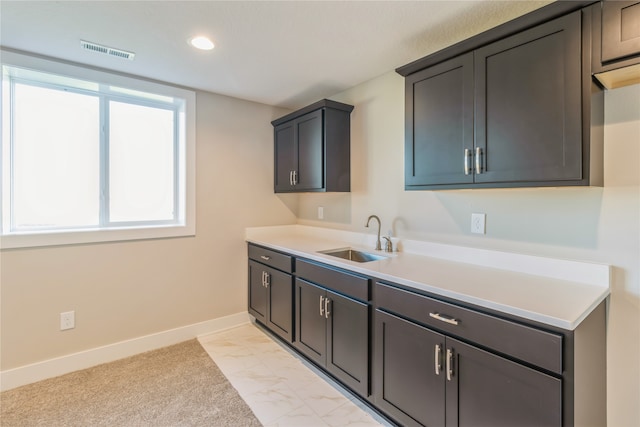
x=27, y=374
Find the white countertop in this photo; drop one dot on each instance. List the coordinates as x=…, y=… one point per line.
x=556, y=292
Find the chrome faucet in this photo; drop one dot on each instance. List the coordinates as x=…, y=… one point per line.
x=378, y=245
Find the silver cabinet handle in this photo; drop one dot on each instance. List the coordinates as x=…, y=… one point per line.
x=290, y=177
x=263, y=273
x=443, y=318
x=467, y=161
x=295, y=177
x=437, y=358
x=449, y=364
x=327, y=301
x=264, y=257
x=267, y=279
x=478, y=160
x=321, y=306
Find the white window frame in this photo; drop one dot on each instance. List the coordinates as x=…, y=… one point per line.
x=185, y=223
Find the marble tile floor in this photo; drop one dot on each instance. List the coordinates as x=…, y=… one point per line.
x=280, y=387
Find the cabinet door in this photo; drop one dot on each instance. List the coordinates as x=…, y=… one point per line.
x=620, y=29
x=310, y=325
x=439, y=124
x=488, y=390
x=348, y=341
x=280, y=294
x=410, y=379
x=285, y=152
x=257, y=292
x=528, y=105
x=310, y=151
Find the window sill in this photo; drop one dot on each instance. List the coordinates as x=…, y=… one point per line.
x=32, y=240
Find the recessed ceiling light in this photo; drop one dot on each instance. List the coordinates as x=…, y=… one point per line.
x=201, y=42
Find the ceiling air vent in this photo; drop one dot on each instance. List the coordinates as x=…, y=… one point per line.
x=94, y=47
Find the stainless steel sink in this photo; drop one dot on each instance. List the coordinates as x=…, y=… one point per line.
x=353, y=255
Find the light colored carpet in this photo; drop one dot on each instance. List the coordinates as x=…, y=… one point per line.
x=173, y=386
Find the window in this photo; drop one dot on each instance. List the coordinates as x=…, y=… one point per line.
x=92, y=156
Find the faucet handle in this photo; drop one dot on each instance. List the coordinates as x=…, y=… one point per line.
x=388, y=246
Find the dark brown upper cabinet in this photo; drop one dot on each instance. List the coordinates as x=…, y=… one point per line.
x=439, y=124
x=312, y=149
x=616, y=43
x=527, y=108
x=620, y=29
x=515, y=108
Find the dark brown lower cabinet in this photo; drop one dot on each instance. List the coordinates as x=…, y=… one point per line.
x=421, y=360
x=271, y=298
x=488, y=390
x=425, y=378
x=332, y=330
x=407, y=387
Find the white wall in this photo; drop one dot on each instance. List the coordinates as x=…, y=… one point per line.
x=121, y=291
x=591, y=224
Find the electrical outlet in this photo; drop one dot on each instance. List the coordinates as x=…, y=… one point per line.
x=478, y=221
x=67, y=320
x=320, y=212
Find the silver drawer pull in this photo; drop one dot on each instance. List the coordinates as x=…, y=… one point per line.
x=264, y=257
x=467, y=158
x=437, y=356
x=478, y=160
x=443, y=318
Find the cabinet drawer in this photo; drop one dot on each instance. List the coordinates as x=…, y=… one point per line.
x=531, y=345
x=342, y=282
x=271, y=258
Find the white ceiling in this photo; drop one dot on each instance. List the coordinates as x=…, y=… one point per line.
x=283, y=53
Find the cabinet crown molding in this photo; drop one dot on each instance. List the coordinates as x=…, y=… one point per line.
x=531, y=19
x=323, y=103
